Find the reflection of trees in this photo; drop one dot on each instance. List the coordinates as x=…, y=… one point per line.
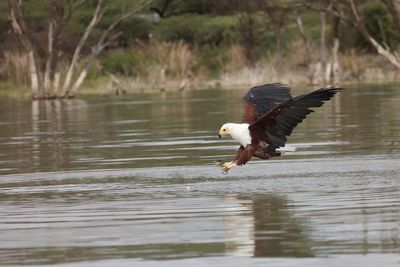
x=51, y=129
x=276, y=233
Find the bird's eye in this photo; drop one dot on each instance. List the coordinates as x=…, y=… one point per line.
x=224, y=130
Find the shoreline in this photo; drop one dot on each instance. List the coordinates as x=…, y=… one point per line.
x=104, y=85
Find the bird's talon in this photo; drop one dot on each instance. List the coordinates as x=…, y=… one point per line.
x=219, y=163
x=225, y=166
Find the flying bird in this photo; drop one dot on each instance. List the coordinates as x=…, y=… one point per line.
x=270, y=115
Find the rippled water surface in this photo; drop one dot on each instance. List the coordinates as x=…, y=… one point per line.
x=130, y=181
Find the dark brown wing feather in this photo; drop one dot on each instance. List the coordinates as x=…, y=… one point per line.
x=259, y=100
x=280, y=121
x=250, y=114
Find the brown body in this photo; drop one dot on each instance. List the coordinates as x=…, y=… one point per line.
x=259, y=139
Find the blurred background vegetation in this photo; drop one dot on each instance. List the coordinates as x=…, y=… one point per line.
x=193, y=43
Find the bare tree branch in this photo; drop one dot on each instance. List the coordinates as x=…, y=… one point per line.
x=355, y=12
x=306, y=43
x=19, y=26
x=356, y=21
x=60, y=14
x=303, y=34
x=50, y=41
x=101, y=44
x=95, y=19
x=379, y=48
x=116, y=22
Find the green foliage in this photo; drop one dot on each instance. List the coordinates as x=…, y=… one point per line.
x=378, y=22
x=212, y=59
x=37, y=10
x=142, y=28
x=4, y=28
x=198, y=29
x=122, y=62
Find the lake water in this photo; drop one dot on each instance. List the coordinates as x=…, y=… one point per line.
x=131, y=181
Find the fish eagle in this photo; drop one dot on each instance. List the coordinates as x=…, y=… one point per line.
x=270, y=115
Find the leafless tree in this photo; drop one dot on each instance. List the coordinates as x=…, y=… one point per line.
x=45, y=83
x=347, y=10
x=333, y=72
x=307, y=46
x=20, y=28
x=325, y=68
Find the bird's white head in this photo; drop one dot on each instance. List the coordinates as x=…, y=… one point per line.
x=225, y=129
x=238, y=131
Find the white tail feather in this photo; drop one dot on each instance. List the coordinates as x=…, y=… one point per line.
x=285, y=149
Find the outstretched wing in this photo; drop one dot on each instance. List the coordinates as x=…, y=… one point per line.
x=259, y=100
x=280, y=121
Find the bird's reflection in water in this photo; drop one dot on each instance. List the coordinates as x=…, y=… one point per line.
x=276, y=232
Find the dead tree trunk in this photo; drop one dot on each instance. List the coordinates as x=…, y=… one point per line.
x=95, y=19
x=60, y=14
x=385, y=52
x=323, y=57
x=33, y=73
x=19, y=27
x=47, y=82
x=59, y=18
x=306, y=43
x=354, y=19
x=103, y=42
x=334, y=75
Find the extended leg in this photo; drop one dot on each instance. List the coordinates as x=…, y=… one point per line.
x=243, y=155
x=226, y=166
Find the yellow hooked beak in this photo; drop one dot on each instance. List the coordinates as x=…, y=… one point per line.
x=221, y=133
